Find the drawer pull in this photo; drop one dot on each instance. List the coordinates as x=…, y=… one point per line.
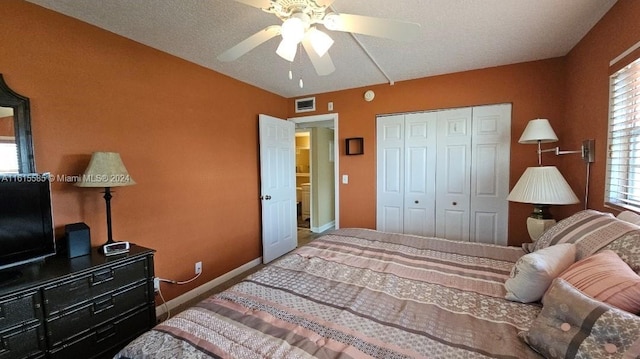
x=102, y=305
x=101, y=277
x=105, y=333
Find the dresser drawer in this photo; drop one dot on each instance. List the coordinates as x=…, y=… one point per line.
x=15, y=310
x=96, y=311
x=25, y=342
x=109, y=336
x=66, y=294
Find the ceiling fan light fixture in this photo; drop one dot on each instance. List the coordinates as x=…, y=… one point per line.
x=320, y=41
x=287, y=50
x=293, y=29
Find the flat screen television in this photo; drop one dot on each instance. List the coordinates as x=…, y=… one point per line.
x=26, y=219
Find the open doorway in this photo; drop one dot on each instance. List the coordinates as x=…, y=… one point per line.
x=317, y=179
x=303, y=178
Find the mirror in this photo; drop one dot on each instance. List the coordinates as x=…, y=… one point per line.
x=16, y=145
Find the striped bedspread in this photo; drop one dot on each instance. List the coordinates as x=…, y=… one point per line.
x=356, y=294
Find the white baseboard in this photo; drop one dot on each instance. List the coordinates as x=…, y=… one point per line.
x=323, y=228
x=195, y=292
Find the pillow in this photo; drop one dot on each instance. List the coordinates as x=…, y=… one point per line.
x=627, y=247
x=532, y=273
x=630, y=217
x=572, y=325
x=590, y=230
x=605, y=277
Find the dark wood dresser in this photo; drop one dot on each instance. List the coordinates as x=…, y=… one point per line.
x=84, y=307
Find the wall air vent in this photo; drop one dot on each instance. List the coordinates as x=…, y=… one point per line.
x=305, y=104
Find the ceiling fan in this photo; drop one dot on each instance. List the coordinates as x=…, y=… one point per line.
x=300, y=20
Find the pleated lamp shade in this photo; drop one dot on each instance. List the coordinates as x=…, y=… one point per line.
x=542, y=185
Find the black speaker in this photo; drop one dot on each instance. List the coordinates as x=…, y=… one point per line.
x=78, y=239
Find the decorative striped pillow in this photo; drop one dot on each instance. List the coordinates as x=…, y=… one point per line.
x=572, y=325
x=605, y=277
x=590, y=230
x=627, y=248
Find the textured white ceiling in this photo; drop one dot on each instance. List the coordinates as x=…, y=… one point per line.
x=456, y=35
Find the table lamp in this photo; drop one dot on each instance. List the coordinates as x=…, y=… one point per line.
x=106, y=170
x=542, y=186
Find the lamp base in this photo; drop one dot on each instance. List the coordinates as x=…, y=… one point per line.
x=537, y=226
x=541, y=211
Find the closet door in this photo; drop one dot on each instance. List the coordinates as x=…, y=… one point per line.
x=491, y=146
x=390, y=135
x=453, y=166
x=445, y=173
x=420, y=174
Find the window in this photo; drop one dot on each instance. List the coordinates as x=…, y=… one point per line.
x=623, y=157
x=8, y=157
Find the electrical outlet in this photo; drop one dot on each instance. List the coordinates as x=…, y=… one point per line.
x=198, y=267
x=156, y=284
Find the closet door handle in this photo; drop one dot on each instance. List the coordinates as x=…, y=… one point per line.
x=416, y=202
x=455, y=203
x=266, y=198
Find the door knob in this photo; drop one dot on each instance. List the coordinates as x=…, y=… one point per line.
x=267, y=197
x=416, y=202
x=455, y=203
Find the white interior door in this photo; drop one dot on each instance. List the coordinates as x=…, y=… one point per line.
x=390, y=135
x=490, y=173
x=277, y=187
x=420, y=178
x=453, y=167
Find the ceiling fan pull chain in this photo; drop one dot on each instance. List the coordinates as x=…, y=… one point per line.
x=300, y=82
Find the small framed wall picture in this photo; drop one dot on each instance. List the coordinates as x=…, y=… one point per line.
x=354, y=146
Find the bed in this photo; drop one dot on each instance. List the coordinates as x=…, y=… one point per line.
x=361, y=293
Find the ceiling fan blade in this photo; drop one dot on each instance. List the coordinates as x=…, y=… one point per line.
x=373, y=26
x=260, y=4
x=322, y=64
x=250, y=43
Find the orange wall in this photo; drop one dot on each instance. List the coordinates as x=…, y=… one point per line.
x=187, y=135
x=587, y=104
x=535, y=89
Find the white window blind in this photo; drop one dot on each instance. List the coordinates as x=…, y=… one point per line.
x=623, y=160
x=8, y=158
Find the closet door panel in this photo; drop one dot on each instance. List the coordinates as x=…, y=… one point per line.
x=391, y=219
x=453, y=166
x=390, y=173
x=490, y=173
x=420, y=156
x=454, y=225
x=487, y=226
